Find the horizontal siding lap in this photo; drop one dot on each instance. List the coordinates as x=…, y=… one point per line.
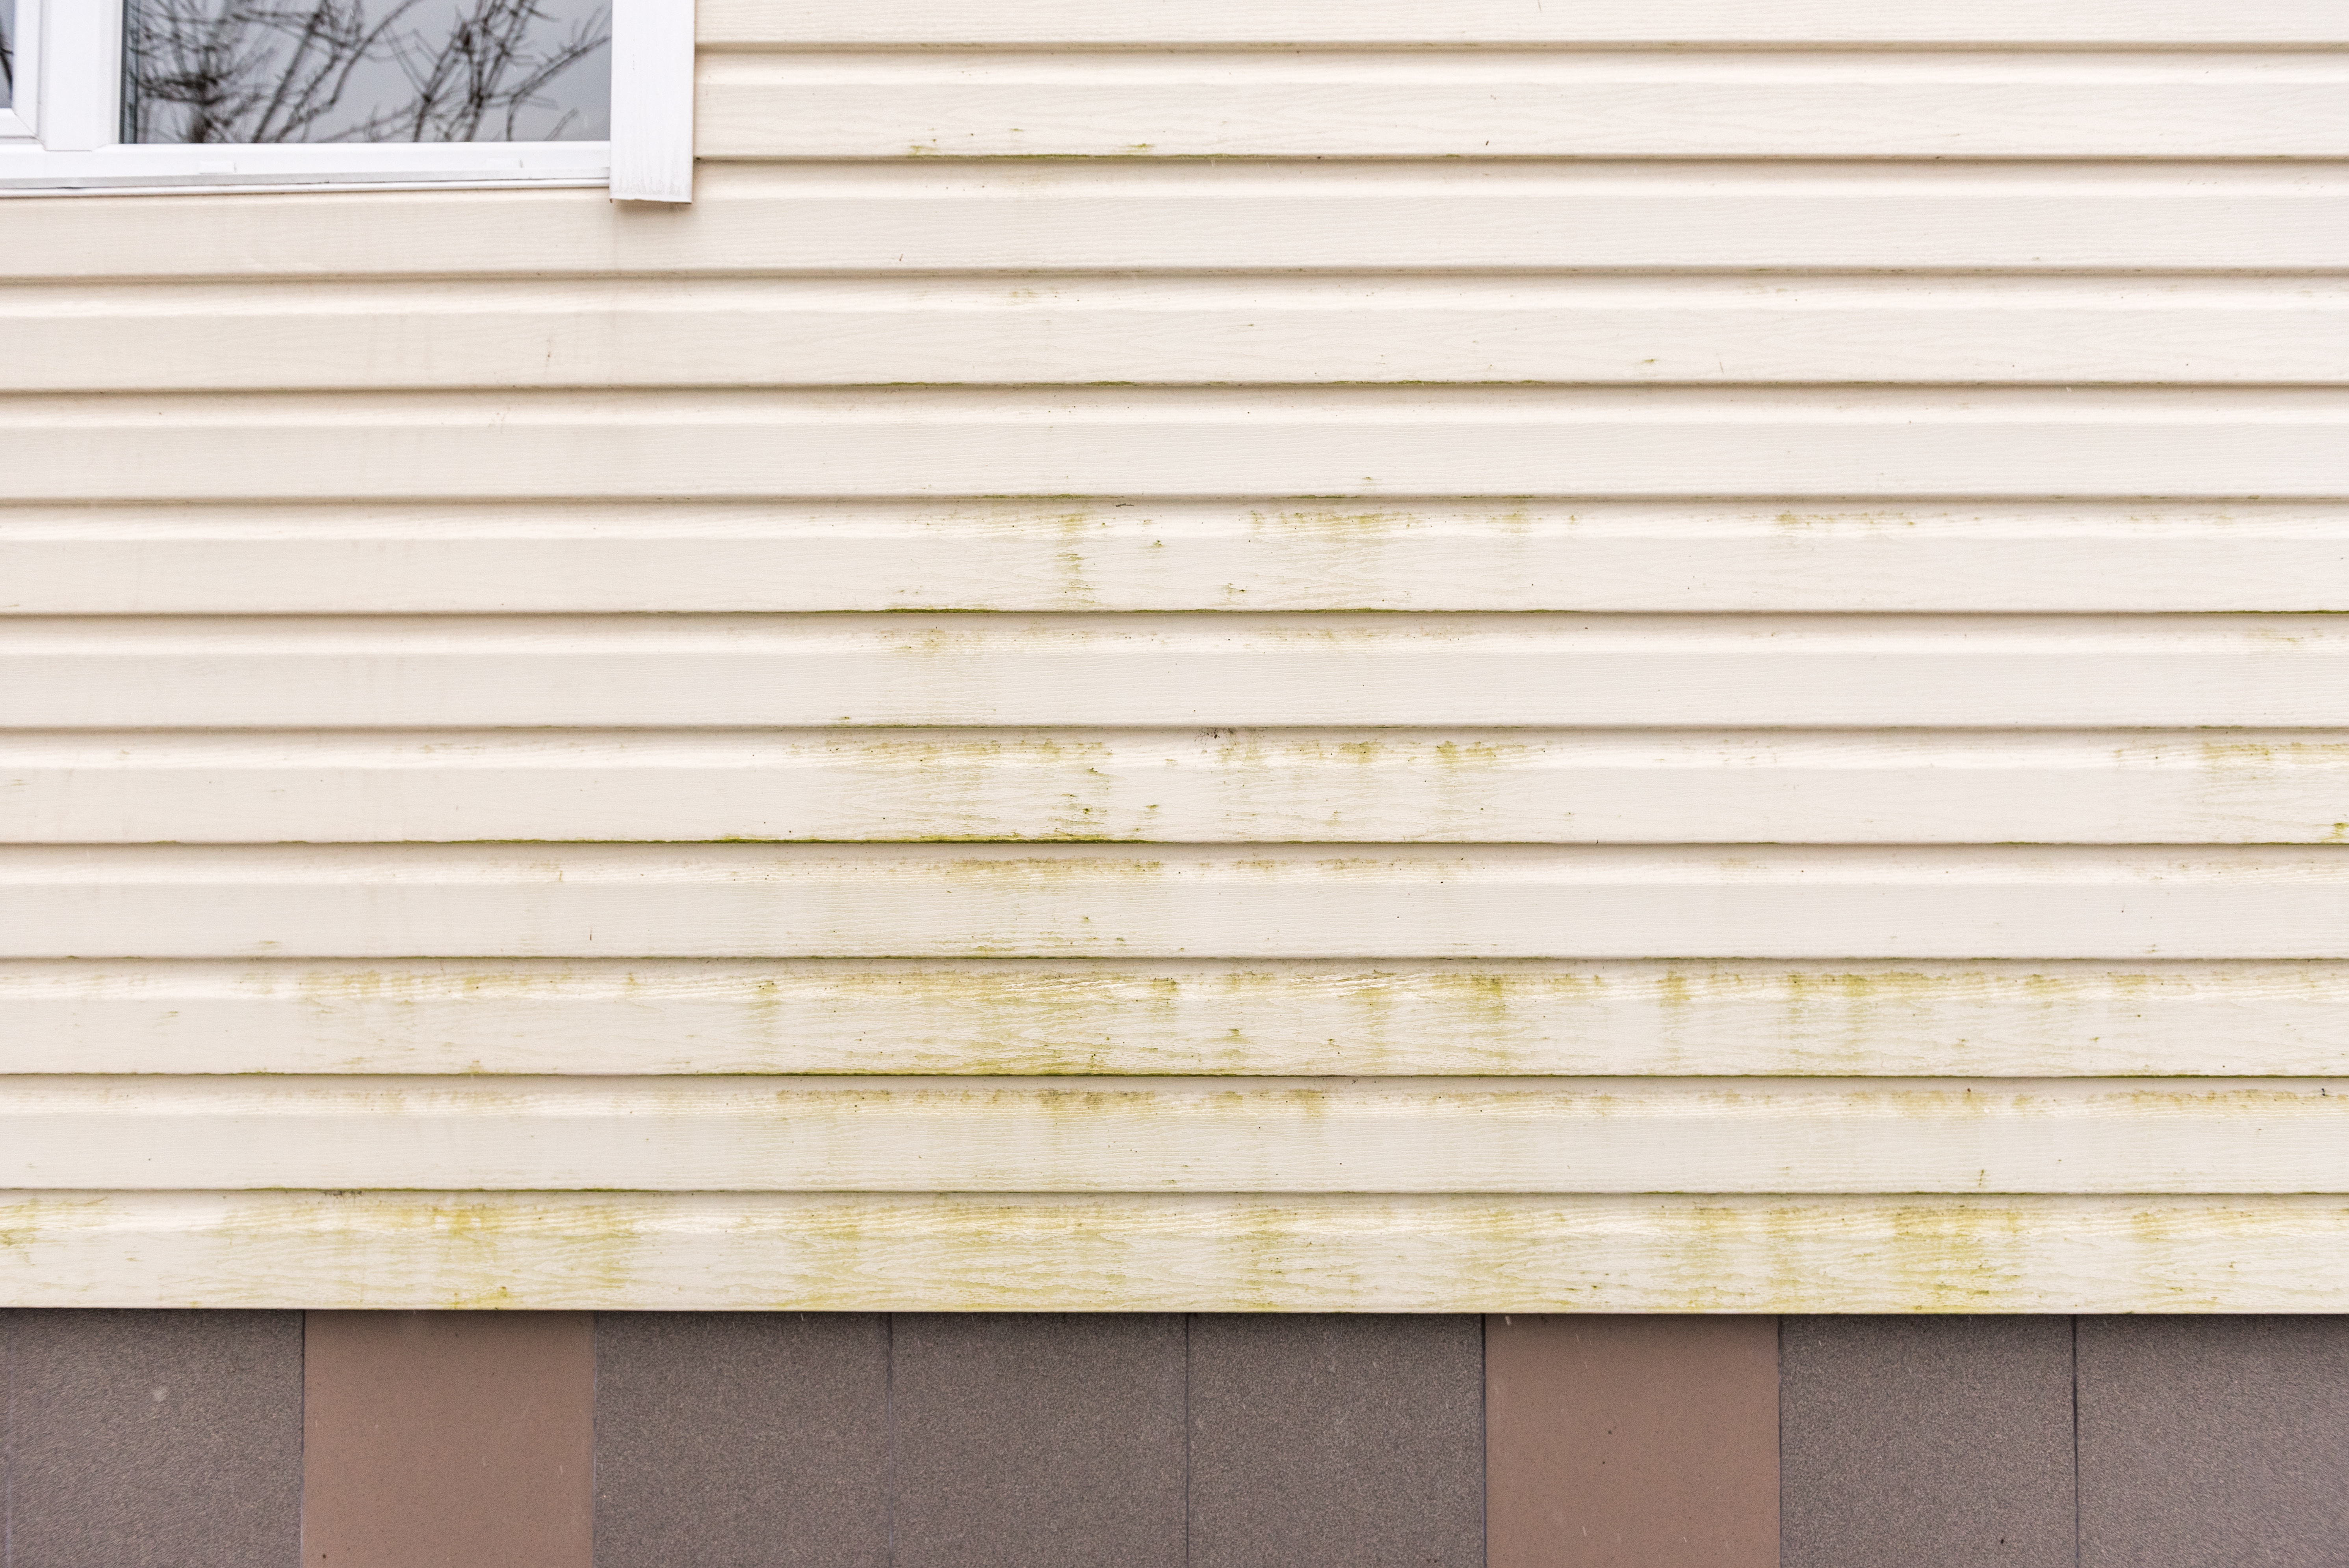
x=1113, y=1135
x=1060, y=218
x=965, y=1017
x=1372, y=442
x=1488, y=103
x=377, y=336
x=1852, y=820
x=1974, y=672
x=822, y=23
x=867, y=1251
x=1142, y=901
x=1141, y=554
x=1507, y=786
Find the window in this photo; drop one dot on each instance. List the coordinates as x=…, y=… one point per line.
x=13, y=126
x=113, y=95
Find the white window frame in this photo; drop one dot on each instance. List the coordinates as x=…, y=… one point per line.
x=62, y=134
x=22, y=113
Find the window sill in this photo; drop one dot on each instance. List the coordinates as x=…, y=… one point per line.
x=38, y=171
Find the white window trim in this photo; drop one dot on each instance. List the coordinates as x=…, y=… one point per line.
x=62, y=136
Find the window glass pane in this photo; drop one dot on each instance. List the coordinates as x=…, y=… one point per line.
x=366, y=70
x=7, y=52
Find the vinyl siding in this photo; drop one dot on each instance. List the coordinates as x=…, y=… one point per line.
x=1209, y=657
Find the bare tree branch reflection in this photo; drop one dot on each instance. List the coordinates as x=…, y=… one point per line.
x=351, y=70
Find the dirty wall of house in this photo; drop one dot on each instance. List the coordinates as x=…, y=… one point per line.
x=1615, y=657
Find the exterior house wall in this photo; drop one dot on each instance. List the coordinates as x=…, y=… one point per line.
x=1195, y=658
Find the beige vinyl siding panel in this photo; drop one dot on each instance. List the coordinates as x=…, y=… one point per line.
x=827, y=24
x=1226, y=1253
x=1284, y=1018
x=379, y=335
x=1976, y=672
x=1109, y=1135
x=1269, y=901
x=1290, y=657
x=1366, y=785
x=1079, y=216
x=1373, y=442
x=1076, y=554
x=1498, y=104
